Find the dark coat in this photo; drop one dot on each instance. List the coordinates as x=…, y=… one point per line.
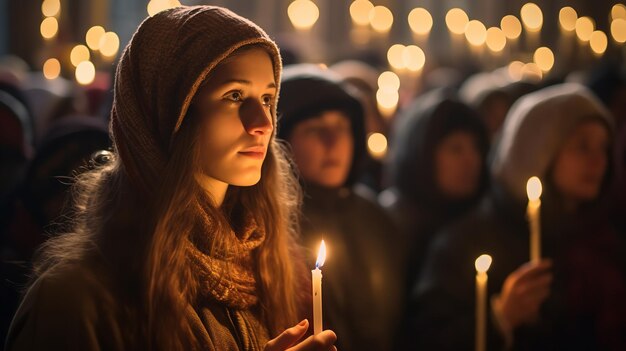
x=71, y=308
x=361, y=284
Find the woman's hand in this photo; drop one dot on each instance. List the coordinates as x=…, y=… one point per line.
x=523, y=292
x=288, y=340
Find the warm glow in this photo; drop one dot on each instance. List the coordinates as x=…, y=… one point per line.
x=303, y=14
x=51, y=68
x=377, y=145
x=93, y=36
x=414, y=58
x=618, y=11
x=387, y=99
x=420, y=21
x=567, y=18
x=395, y=56
x=456, y=20
x=85, y=72
x=156, y=6
x=544, y=58
x=482, y=263
x=388, y=81
x=49, y=27
x=515, y=70
x=381, y=19
x=598, y=42
x=533, y=189
x=109, y=44
x=496, y=40
x=475, y=32
x=532, y=17
x=532, y=72
x=511, y=26
x=79, y=54
x=321, y=255
x=618, y=30
x=584, y=28
x=360, y=12
x=50, y=8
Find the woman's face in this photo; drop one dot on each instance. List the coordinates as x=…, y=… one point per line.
x=581, y=163
x=235, y=107
x=458, y=165
x=323, y=148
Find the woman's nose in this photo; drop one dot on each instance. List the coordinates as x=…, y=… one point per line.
x=256, y=118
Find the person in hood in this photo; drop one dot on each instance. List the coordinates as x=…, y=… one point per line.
x=574, y=298
x=184, y=239
x=437, y=171
x=323, y=123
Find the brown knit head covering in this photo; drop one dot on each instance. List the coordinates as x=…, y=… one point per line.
x=159, y=73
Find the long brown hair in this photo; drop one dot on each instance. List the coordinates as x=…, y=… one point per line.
x=145, y=253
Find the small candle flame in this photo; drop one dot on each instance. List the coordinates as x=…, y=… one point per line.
x=534, y=189
x=321, y=255
x=483, y=262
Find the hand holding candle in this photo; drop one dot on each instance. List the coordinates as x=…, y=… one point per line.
x=316, y=278
x=534, y=189
x=482, y=264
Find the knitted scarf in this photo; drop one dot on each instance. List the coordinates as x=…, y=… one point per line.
x=227, y=273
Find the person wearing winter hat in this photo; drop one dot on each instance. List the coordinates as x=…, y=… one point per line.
x=323, y=122
x=574, y=298
x=185, y=238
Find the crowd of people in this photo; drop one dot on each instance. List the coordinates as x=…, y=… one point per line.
x=87, y=172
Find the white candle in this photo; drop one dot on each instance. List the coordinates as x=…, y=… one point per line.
x=534, y=189
x=316, y=278
x=482, y=264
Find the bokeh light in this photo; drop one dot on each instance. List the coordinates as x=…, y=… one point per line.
x=456, y=20
x=360, y=11
x=584, y=28
x=49, y=27
x=51, y=68
x=496, y=40
x=511, y=26
x=420, y=21
x=618, y=30
x=475, y=32
x=85, y=72
x=567, y=18
x=381, y=19
x=544, y=58
x=79, y=54
x=532, y=17
x=414, y=58
x=303, y=14
x=395, y=56
x=109, y=44
x=93, y=36
x=598, y=42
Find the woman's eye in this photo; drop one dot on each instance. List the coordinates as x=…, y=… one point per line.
x=235, y=96
x=268, y=101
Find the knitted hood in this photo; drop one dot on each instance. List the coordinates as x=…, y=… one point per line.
x=160, y=71
x=535, y=129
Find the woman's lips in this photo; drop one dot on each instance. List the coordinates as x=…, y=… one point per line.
x=257, y=152
x=253, y=154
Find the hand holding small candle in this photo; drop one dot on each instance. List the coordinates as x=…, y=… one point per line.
x=316, y=278
x=534, y=189
x=482, y=264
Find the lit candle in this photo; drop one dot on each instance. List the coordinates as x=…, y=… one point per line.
x=316, y=278
x=534, y=189
x=482, y=265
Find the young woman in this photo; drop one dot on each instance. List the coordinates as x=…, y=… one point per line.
x=184, y=239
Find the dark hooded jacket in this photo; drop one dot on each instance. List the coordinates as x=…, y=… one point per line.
x=360, y=281
x=414, y=201
x=586, y=309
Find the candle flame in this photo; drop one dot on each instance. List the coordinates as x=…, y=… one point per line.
x=483, y=262
x=321, y=255
x=533, y=189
